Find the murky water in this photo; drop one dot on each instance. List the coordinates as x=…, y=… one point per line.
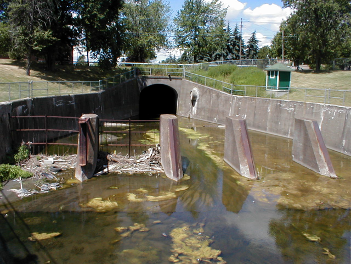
x=291, y=215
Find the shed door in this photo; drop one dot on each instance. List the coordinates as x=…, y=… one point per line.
x=284, y=80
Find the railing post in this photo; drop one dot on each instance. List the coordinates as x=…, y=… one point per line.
x=129, y=138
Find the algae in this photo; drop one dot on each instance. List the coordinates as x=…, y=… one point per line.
x=190, y=245
x=101, y=205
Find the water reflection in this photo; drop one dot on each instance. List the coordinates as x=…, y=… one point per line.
x=286, y=217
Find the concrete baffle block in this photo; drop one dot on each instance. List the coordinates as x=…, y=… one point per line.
x=309, y=148
x=237, y=148
x=170, y=147
x=88, y=146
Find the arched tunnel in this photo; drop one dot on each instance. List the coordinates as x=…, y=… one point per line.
x=157, y=99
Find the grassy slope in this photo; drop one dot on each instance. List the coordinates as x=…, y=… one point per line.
x=11, y=71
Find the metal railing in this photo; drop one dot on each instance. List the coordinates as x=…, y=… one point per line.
x=19, y=90
x=314, y=95
x=46, y=134
x=128, y=136
x=166, y=71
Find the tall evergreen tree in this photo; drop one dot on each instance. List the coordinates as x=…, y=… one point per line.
x=252, y=47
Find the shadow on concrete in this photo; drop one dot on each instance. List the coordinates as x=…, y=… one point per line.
x=157, y=99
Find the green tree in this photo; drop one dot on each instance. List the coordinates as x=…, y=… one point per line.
x=30, y=27
x=264, y=52
x=3, y=10
x=4, y=39
x=64, y=33
x=100, y=32
x=145, y=28
x=252, y=47
x=199, y=26
x=319, y=24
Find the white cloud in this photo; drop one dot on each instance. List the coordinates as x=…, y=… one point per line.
x=235, y=7
x=263, y=40
x=266, y=14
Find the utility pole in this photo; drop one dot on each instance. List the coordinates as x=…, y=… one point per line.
x=283, y=45
x=241, y=37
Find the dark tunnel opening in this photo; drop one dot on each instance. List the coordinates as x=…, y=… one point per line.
x=156, y=100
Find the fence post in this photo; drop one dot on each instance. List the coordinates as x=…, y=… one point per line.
x=99, y=85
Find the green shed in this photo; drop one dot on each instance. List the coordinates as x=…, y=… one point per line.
x=278, y=77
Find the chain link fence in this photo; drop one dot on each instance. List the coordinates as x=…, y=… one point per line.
x=19, y=90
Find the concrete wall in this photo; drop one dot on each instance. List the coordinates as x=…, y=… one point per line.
x=272, y=116
x=120, y=103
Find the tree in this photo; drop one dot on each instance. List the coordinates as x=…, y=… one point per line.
x=100, y=32
x=4, y=39
x=264, y=52
x=252, y=47
x=319, y=24
x=3, y=10
x=199, y=26
x=145, y=26
x=30, y=27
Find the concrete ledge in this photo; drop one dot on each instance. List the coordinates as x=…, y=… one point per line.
x=309, y=149
x=170, y=147
x=237, y=149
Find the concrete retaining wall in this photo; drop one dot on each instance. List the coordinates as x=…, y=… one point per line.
x=120, y=103
x=271, y=116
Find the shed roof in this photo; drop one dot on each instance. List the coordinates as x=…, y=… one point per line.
x=279, y=67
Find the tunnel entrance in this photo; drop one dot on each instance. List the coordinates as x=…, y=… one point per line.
x=157, y=99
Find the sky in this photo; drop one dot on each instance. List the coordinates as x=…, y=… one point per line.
x=262, y=16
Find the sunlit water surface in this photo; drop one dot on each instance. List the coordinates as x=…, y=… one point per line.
x=291, y=215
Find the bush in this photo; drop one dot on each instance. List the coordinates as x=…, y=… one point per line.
x=9, y=172
x=22, y=154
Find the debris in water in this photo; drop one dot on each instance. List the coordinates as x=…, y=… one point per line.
x=312, y=238
x=41, y=236
x=327, y=252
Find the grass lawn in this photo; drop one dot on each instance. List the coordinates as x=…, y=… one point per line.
x=329, y=87
x=64, y=78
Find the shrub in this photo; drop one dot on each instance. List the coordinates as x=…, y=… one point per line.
x=9, y=172
x=22, y=154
